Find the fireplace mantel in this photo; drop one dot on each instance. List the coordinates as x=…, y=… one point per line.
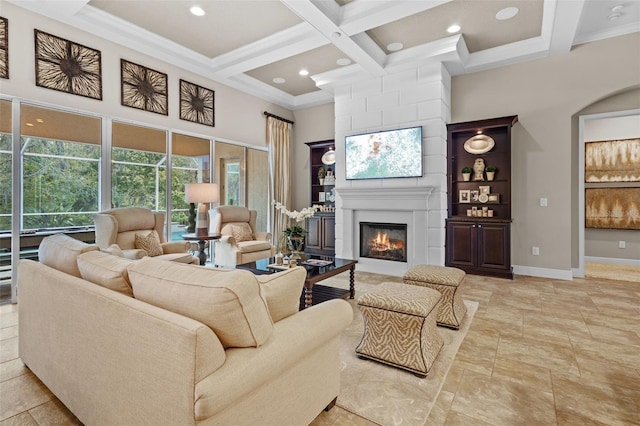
x=414, y=198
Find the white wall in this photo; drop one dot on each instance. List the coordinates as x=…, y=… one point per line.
x=409, y=98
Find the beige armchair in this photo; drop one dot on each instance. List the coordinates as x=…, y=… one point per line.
x=120, y=227
x=240, y=243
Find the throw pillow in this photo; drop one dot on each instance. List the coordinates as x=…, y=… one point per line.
x=114, y=249
x=282, y=292
x=150, y=243
x=239, y=231
x=106, y=270
x=229, y=302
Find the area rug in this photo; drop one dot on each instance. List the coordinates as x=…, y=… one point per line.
x=388, y=395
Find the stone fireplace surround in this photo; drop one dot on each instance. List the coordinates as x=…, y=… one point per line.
x=398, y=205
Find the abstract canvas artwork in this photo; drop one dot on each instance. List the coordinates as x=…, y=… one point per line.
x=144, y=88
x=612, y=208
x=197, y=104
x=612, y=161
x=67, y=66
x=4, y=47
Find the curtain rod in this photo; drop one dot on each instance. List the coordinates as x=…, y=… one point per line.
x=268, y=114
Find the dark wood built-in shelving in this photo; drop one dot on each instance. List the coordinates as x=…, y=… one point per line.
x=321, y=227
x=479, y=245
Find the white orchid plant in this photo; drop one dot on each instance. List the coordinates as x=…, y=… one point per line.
x=297, y=216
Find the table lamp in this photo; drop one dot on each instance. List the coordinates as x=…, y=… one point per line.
x=203, y=193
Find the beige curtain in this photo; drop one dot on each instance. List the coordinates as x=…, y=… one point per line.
x=278, y=137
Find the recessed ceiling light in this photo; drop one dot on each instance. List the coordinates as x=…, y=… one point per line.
x=343, y=61
x=29, y=124
x=39, y=120
x=507, y=13
x=303, y=72
x=614, y=16
x=336, y=35
x=617, y=8
x=453, y=29
x=394, y=47
x=197, y=10
x=279, y=80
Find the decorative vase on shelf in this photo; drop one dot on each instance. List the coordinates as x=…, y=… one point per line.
x=491, y=176
x=321, y=175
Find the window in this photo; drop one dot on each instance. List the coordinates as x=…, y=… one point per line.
x=139, y=167
x=60, y=169
x=190, y=163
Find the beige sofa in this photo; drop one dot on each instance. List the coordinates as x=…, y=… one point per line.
x=113, y=359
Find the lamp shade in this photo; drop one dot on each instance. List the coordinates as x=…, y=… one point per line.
x=201, y=193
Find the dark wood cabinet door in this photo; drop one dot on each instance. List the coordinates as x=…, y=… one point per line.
x=493, y=246
x=461, y=244
x=314, y=236
x=329, y=234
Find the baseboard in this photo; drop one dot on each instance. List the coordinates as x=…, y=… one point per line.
x=543, y=272
x=613, y=260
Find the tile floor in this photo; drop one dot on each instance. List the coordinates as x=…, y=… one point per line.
x=539, y=352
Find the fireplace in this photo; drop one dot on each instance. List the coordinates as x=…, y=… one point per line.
x=386, y=241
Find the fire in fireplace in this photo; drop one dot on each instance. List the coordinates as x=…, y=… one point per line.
x=386, y=241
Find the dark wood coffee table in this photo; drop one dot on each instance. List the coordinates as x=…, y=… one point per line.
x=313, y=293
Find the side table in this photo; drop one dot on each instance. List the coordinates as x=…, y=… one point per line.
x=202, y=239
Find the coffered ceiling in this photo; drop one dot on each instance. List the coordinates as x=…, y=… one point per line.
x=260, y=46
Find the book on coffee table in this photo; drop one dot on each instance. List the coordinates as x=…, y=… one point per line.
x=276, y=266
x=317, y=262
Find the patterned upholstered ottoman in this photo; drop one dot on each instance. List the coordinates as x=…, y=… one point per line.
x=447, y=280
x=400, y=327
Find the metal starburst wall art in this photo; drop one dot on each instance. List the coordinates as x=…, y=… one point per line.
x=4, y=47
x=67, y=66
x=144, y=88
x=197, y=103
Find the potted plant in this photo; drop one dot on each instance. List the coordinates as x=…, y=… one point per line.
x=466, y=173
x=321, y=174
x=491, y=172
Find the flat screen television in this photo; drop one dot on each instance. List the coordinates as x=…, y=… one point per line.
x=386, y=154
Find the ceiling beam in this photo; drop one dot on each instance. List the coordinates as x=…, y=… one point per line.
x=323, y=16
x=290, y=42
x=565, y=25
x=360, y=16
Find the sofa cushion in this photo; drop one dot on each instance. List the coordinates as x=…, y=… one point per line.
x=282, y=291
x=229, y=302
x=60, y=251
x=150, y=243
x=106, y=270
x=113, y=249
x=239, y=231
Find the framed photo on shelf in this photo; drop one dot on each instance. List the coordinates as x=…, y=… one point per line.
x=322, y=197
x=484, y=189
x=494, y=198
x=474, y=195
x=464, y=196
